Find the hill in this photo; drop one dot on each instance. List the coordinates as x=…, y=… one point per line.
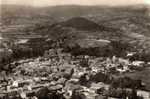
x=81, y=23
x=127, y=24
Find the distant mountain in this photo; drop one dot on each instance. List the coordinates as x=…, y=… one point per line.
x=14, y=14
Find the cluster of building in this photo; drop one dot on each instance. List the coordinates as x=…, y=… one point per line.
x=58, y=75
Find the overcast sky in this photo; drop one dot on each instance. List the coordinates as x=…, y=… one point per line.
x=76, y=2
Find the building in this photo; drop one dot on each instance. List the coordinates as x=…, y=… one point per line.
x=144, y=94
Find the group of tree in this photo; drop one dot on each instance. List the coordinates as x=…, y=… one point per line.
x=126, y=82
x=31, y=50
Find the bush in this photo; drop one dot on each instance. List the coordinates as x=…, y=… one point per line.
x=100, y=77
x=126, y=82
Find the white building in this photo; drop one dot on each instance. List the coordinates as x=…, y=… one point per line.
x=144, y=94
x=138, y=63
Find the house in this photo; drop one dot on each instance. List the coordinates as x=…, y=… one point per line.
x=123, y=61
x=138, y=63
x=130, y=54
x=112, y=98
x=144, y=94
x=22, y=41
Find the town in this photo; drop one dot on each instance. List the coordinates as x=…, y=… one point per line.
x=58, y=75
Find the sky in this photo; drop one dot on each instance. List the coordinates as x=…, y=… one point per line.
x=74, y=2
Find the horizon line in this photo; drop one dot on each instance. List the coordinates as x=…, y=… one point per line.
x=100, y=5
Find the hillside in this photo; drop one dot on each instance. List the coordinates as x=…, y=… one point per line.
x=81, y=23
x=73, y=23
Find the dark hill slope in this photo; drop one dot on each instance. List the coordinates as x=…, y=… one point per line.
x=81, y=23
x=79, y=27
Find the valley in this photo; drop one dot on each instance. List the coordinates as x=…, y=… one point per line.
x=70, y=52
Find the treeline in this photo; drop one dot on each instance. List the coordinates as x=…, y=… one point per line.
x=116, y=48
x=120, y=88
x=141, y=56
x=24, y=51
